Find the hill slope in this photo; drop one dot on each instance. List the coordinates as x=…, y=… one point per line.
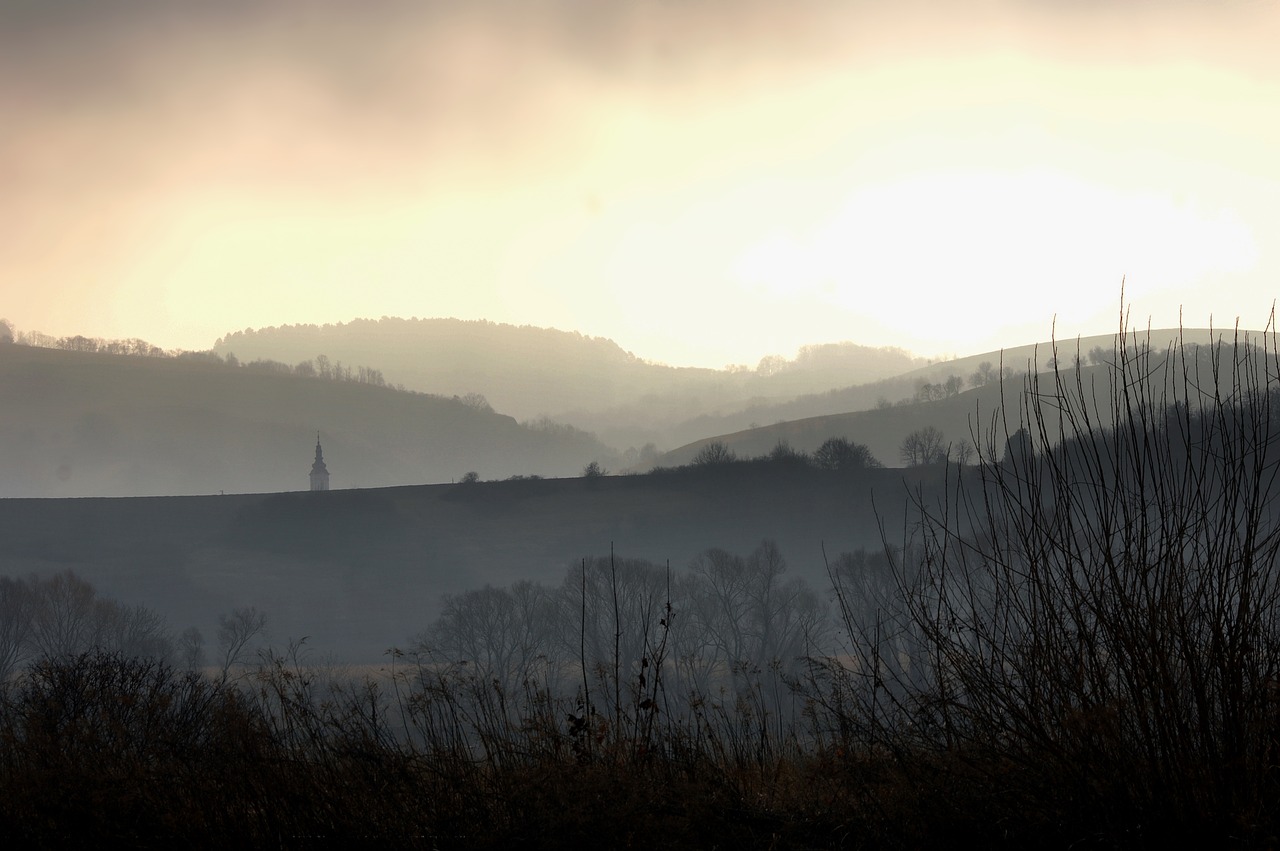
x=361, y=571
x=78, y=424
x=863, y=413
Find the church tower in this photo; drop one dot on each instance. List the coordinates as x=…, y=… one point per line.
x=319, y=472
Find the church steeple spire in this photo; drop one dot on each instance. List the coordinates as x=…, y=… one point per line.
x=319, y=472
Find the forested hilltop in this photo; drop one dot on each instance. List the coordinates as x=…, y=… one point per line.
x=592, y=382
x=82, y=423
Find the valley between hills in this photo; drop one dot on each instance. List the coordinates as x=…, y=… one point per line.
x=175, y=482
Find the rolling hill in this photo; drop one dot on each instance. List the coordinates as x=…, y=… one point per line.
x=81, y=424
x=591, y=382
x=865, y=414
x=360, y=570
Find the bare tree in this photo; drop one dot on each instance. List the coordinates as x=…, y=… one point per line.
x=190, y=649
x=499, y=633
x=985, y=374
x=713, y=454
x=745, y=615
x=624, y=601
x=15, y=624
x=923, y=446
x=475, y=401
x=236, y=632
x=840, y=453
x=136, y=632
x=62, y=615
x=68, y=617
x=784, y=453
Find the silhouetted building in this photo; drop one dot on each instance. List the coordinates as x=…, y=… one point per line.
x=319, y=472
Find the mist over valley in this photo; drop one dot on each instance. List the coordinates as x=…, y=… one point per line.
x=365, y=565
x=189, y=471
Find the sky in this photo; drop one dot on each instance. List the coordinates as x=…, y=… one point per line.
x=704, y=181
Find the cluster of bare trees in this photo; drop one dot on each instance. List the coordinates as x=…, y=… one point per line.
x=928, y=446
x=78, y=343
x=835, y=453
x=842, y=454
x=615, y=623
x=319, y=367
x=929, y=391
x=62, y=615
x=986, y=373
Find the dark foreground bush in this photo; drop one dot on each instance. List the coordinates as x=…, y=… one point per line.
x=102, y=749
x=1082, y=644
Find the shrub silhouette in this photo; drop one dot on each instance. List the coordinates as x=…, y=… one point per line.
x=715, y=453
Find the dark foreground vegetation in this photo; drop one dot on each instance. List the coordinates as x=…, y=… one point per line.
x=99, y=748
x=1079, y=646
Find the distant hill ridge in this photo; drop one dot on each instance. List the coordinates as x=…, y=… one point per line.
x=592, y=382
x=80, y=423
x=882, y=413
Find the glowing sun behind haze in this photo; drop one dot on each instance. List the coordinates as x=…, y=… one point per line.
x=705, y=182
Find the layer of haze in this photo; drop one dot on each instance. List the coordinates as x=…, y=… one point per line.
x=705, y=182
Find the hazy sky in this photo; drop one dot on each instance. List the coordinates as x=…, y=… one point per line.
x=704, y=181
